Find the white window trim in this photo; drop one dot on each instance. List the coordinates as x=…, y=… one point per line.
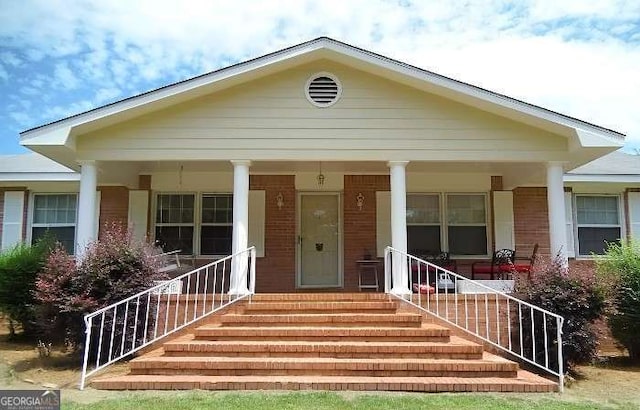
x=621, y=222
x=197, y=219
x=31, y=209
x=444, y=234
x=194, y=224
x=201, y=224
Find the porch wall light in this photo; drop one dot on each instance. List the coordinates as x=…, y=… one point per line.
x=360, y=201
x=280, y=200
x=320, y=178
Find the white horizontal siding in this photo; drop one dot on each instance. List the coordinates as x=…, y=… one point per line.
x=373, y=117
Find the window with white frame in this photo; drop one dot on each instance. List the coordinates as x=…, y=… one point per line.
x=467, y=224
x=216, y=224
x=464, y=217
x=423, y=224
x=55, y=215
x=199, y=224
x=175, y=222
x=598, y=222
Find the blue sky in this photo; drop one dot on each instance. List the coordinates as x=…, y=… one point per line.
x=578, y=57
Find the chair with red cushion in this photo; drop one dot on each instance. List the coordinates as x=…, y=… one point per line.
x=525, y=265
x=501, y=265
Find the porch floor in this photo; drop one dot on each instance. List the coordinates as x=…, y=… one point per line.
x=323, y=341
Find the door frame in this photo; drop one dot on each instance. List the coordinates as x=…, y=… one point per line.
x=340, y=260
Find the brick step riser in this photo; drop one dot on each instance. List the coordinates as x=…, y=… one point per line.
x=373, y=386
x=321, y=311
x=342, y=355
x=256, y=323
x=321, y=338
x=320, y=297
x=322, y=372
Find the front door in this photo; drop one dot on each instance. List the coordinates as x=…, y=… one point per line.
x=319, y=240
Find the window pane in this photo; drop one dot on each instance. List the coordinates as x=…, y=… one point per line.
x=423, y=209
x=175, y=208
x=217, y=209
x=466, y=209
x=215, y=240
x=175, y=237
x=64, y=235
x=467, y=240
x=54, y=209
x=594, y=240
x=597, y=210
x=423, y=240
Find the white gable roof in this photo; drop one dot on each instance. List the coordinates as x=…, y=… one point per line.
x=57, y=139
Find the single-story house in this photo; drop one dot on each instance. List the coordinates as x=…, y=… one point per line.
x=321, y=155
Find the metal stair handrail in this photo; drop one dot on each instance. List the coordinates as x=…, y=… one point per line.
x=532, y=327
x=131, y=324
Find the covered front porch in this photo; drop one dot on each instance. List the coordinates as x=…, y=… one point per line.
x=321, y=225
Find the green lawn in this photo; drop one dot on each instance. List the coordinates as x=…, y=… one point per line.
x=338, y=401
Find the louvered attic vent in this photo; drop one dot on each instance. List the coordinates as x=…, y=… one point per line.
x=323, y=89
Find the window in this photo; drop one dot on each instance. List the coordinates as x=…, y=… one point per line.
x=217, y=224
x=55, y=214
x=464, y=218
x=201, y=227
x=598, y=220
x=467, y=224
x=423, y=224
x=175, y=222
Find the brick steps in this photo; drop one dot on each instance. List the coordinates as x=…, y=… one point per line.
x=245, y=366
x=456, y=348
x=327, y=319
x=428, y=332
x=524, y=382
x=327, y=341
x=321, y=307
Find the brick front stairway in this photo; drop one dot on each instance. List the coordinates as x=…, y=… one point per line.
x=330, y=341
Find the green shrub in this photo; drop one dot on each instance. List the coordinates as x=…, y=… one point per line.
x=19, y=267
x=572, y=294
x=112, y=269
x=619, y=269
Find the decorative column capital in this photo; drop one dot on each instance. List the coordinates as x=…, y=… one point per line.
x=241, y=162
x=397, y=163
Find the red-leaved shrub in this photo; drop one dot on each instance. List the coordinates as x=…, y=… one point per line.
x=111, y=269
x=572, y=294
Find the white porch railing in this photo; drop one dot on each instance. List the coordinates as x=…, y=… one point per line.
x=120, y=329
x=528, y=332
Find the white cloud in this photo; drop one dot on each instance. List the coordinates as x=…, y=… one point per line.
x=65, y=77
x=575, y=56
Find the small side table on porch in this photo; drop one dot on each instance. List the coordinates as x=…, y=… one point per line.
x=368, y=273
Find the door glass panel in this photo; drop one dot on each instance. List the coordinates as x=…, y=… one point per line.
x=319, y=240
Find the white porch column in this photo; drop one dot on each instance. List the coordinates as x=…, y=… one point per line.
x=86, y=229
x=240, y=240
x=400, y=284
x=555, y=201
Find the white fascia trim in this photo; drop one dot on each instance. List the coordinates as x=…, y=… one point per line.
x=38, y=176
x=338, y=47
x=601, y=178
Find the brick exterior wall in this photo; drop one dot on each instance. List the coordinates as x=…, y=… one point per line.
x=276, y=272
x=360, y=225
x=114, y=206
x=531, y=221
